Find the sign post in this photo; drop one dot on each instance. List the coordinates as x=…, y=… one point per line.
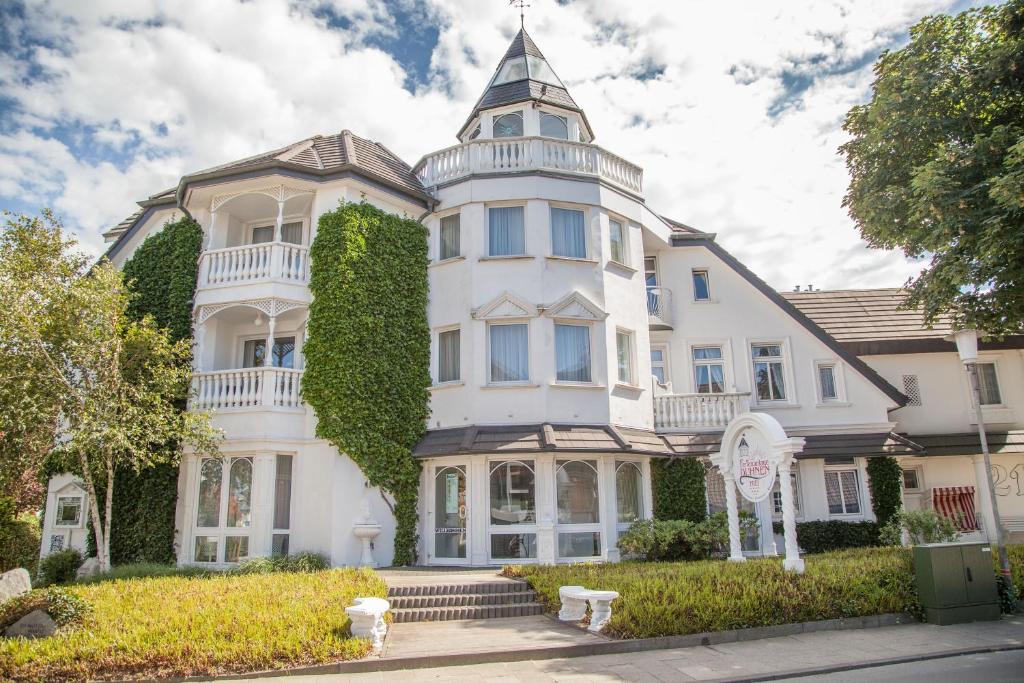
x=755, y=449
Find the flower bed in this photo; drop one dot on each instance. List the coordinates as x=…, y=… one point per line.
x=186, y=626
x=677, y=598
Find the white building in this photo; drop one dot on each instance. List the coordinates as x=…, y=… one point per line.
x=577, y=334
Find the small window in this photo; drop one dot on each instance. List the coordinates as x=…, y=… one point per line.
x=552, y=126
x=701, y=287
x=842, y=490
x=263, y=234
x=572, y=353
x=291, y=233
x=988, y=384
x=617, y=236
x=659, y=364
x=510, y=353
x=69, y=511
x=827, y=383
x=255, y=351
x=506, y=231
x=448, y=358
x=769, y=372
x=282, y=505
x=206, y=549
x=912, y=479
x=912, y=390
x=450, y=237
x=624, y=356
x=210, y=474
x=709, y=370
x=568, y=233
x=509, y=125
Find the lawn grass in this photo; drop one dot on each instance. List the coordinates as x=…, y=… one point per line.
x=677, y=598
x=186, y=626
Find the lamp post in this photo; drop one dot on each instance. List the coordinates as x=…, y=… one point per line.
x=967, y=347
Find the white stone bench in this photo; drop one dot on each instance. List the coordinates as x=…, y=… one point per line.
x=367, y=615
x=574, y=605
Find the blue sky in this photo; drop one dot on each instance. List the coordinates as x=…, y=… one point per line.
x=733, y=108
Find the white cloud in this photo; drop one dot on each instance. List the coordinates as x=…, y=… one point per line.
x=164, y=87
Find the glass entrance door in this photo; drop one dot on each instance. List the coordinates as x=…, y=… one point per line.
x=451, y=514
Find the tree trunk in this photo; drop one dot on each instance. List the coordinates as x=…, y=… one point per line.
x=108, y=521
x=94, y=512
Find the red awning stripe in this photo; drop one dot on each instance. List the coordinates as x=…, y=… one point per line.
x=956, y=503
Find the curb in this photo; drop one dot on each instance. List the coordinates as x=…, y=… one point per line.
x=606, y=647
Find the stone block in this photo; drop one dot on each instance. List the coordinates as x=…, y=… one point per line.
x=35, y=624
x=14, y=583
x=89, y=568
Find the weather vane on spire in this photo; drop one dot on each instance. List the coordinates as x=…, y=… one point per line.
x=520, y=5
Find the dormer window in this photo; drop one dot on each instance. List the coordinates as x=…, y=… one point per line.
x=509, y=125
x=553, y=126
x=512, y=70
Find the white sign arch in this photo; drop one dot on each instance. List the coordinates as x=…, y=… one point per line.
x=754, y=448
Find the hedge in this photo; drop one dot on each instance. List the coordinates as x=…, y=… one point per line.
x=885, y=480
x=19, y=538
x=823, y=536
x=678, y=487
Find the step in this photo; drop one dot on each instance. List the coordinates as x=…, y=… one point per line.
x=458, y=588
x=525, y=609
x=462, y=599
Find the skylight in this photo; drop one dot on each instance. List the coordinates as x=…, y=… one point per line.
x=523, y=67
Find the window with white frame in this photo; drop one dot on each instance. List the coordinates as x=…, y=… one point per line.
x=769, y=372
x=509, y=125
x=506, y=231
x=513, y=510
x=578, y=508
x=224, y=513
x=988, y=384
x=282, y=505
x=708, y=369
x=629, y=494
x=291, y=233
x=448, y=356
x=828, y=388
x=701, y=285
x=794, y=480
x=554, y=126
x=659, y=363
x=842, y=491
x=624, y=356
x=572, y=353
x=450, y=246
x=568, y=233
x=509, y=352
x=912, y=479
x=254, y=353
x=69, y=512
x=617, y=235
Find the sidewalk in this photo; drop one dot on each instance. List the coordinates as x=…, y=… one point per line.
x=766, y=659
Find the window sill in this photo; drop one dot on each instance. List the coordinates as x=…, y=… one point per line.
x=577, y=385
x=629, y=387
x=705, y=301
x=446, y=385
x=445, y=262
x=510, y=385
x=511, y=257
x=833, y=404
x=621, y=268
x=772, y=405
x=571, y=259
x=67, y=526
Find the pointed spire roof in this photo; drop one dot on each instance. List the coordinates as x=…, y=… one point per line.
x=523, y=75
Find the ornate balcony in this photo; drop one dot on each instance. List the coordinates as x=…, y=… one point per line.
x=659, y=308
x=247, y=388
x=253, y=263
x=516, y=155
x=696, y=411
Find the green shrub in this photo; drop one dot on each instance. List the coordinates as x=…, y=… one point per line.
x=885, y=480
x=59, y=567
x=19, y=539
x=64, y=607
x=927, y=526
x=678, y=487
x=299, y=562
x=676, y=598
x=827, y=535
x=680, y=539
x=147, y=570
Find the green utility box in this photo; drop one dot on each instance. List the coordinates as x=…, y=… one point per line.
x=956, y=582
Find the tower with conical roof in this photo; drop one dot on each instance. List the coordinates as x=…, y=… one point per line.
x=524, y=77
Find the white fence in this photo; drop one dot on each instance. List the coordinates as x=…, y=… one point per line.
x=682, y=411
x=247, y=388
x=252, y=262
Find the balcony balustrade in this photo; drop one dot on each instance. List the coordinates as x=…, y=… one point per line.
x=255, y=262
x=516, y=155
x=659, y=308
x=247, y=388
x=689, y=411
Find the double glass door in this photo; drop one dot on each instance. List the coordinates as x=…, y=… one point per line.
x=451, y=514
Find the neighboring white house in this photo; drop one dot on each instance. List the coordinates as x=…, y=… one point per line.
x=577, y=334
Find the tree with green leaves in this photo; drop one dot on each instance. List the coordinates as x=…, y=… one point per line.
x=936, y=162
x=106, y=389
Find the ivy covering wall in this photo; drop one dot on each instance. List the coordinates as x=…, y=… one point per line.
x=678, y=486
x=885, y=478
x=368, y=350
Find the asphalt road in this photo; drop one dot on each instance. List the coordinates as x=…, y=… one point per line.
x=995, y=667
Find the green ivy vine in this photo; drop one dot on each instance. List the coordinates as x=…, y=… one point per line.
x=368, y=350
x=678, y=486
x=885, y=479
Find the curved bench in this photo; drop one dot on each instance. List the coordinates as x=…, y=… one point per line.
x=367, y=615
x=574, y=605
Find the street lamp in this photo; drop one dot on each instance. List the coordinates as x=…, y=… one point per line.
x=967, y=347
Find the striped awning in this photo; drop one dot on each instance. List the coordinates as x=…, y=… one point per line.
x=956, y=503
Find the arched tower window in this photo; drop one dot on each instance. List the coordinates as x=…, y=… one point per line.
x=509, y=125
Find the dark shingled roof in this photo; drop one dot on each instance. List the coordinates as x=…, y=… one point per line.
x=969, y=444
x=816, y=446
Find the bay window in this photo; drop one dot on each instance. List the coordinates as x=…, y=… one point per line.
x=224, y=514
x=568, y=233
x=617, y=236
x=513, y=519
x=624, y=356
x=450, y=246
x=629, y=494
x=578, y=508
x=282, y=505
x=509, y=352
x=448, y=356
x=506, y=233
x=572, y=353
x=509, y=125
x=553, y=126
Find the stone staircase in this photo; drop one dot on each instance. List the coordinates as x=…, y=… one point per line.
x=452, y=601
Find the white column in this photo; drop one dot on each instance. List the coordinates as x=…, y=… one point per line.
x=546, y=513
x=793, y=562
x=645, y=469
x=208, y=242
x=267, y=374
x=984, y=500
x=263, y=480
x=609, y=507
x=200, y=349
x=280, y=220
x=735, y=546
x=478, y=512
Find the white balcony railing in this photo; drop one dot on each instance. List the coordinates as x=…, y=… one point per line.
x=247, y=388
x=252, y=262
x=659, y=306
x=511, y=155
x=687, y=411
